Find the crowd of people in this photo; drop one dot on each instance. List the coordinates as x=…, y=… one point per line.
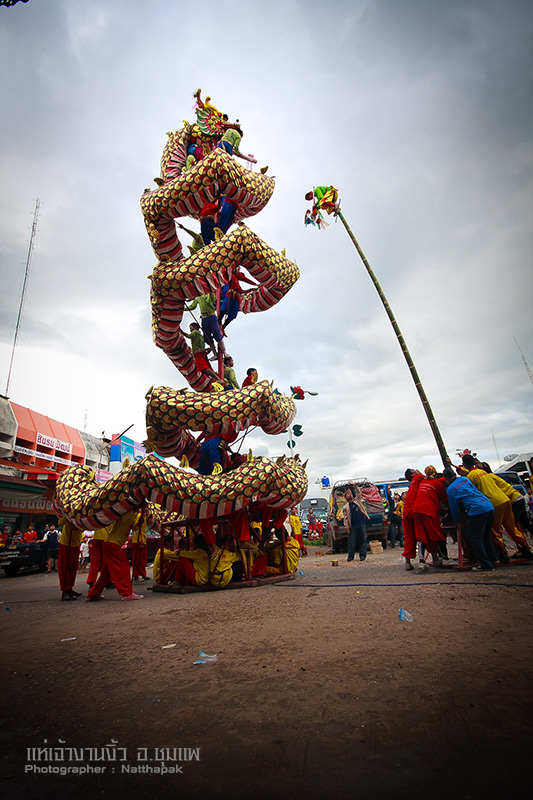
x=48, y=539
x=69, y=551
x=315, y=526
x=469, y=495
x=246, y=544
x=485, y=506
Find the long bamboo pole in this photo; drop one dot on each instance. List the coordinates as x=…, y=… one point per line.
x=414, y=374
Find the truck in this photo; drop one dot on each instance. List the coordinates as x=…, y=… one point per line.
x=398, y=486
x=23, y=555
x=376, y=525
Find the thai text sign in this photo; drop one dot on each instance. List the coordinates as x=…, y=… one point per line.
x=53, y=444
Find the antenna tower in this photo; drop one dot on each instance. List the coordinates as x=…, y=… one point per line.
x=23, y=295
x=526, y=365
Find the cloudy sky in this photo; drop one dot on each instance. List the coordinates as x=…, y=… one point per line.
x=419, y=111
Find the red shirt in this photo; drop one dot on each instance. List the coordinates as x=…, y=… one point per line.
x=209, y=210
x=30, y=536
x=410, y=497
x=431, y=494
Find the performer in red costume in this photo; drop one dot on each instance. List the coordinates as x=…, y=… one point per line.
x=414, y=476
x=251, y=377
x=96, y=551
x=116, y=567
x=429, y=499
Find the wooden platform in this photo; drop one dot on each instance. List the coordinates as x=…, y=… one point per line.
x=176, y=589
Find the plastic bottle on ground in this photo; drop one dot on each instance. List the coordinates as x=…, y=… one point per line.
x=204, y=658
x=405, y=616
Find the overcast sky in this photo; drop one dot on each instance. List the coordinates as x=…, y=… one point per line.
x=419, y=111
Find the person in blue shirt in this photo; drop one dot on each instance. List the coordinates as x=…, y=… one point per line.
x=480, y=513
x=355, y=515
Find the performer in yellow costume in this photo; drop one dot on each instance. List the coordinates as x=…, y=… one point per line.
x=67, y=562
x=139, y=555
x=275, y=556
x=488, y=484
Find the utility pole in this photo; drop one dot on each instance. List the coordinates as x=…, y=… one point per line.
x=414, y=374
x=23, y=295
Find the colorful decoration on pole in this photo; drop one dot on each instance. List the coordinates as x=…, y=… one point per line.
x=299, y=394
x=324, y=199
x=201, y=179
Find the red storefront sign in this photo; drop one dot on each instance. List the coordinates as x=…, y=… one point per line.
x=26, y=506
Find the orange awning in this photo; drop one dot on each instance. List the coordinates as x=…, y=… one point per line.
x=37, y=473
x=26, y=428
x=30, y=423
x=70, y=435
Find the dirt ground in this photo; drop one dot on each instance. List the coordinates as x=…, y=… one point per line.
x=318, y=687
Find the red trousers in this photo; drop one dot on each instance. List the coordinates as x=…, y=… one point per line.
x=115, y=569
x=139, y=558
x=259, y=566
x=409, y=538
x=420, y=528
x=428, y=530
x=95, y=565
x=67, y=566
x=185, y=572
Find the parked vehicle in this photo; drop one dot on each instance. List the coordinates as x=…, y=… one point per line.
x=397, y=487
x=26, y=555
x=516, y=482
x=514, y=479
x=376, y=525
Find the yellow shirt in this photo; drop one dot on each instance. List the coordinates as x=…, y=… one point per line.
x=139, y=530
x=102, y=533
x=275, y=554
x=121, y=529
x=399, y=508
x=507, y=489
x=295, y=523
x=223, y=572
x=484, y=482
x=200, y=560
x=70, y=535
x=169, y=555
